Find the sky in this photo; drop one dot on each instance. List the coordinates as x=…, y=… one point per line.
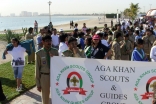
x=71, y=6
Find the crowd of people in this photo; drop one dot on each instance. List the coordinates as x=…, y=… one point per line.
x=123, y=41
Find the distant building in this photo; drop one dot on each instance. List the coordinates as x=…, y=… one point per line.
x=35, y=14
x=23, y=13
x=12, y=15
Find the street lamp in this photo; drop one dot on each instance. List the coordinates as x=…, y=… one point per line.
x=49, y=11
x=150, y=6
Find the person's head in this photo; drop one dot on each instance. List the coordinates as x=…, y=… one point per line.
x=137, y=32
x=54, y=31
x=42, y=31
x=30, y=30
x=76, y=25
x=96, y=39
x=88, y=41
x=63, y=38
x=88, y=31
x=118, y=36
x=126, y=36
x=72, y=42
x=46, y=40
x=76, y=30
x=84, y=24
x=95, y=28
x=15, y=42
x=60, y=31
x=100, y=35
x=81, y=34
x=140, y=43
x=45, y=29
x=105, y=25
x=148, y=32
x=105, y=36
x=119, y=27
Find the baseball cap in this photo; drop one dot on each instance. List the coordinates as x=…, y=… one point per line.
x=96, y=36
x=137, y=28
x=61, y=30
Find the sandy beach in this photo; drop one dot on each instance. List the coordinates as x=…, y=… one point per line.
x=89, y=23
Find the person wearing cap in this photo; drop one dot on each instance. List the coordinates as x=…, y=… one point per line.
x=148, y=42
x=42, y=69
x=116, y=52
x=126, y=48
x=98, y=50
x=138, y=53
x=28, y=36
x=73, y=50
x=55, y=39
x=61, y=31
x=118, y=31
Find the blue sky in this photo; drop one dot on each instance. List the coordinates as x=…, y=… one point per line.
x=71, y=6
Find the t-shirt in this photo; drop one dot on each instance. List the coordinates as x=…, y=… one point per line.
x=99, y=52
x=18, y=58
x=104, y=42
x=62, y=47
x=55, y=40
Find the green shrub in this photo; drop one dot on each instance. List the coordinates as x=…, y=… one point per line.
x=9, y=35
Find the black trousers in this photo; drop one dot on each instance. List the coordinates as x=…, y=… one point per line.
x=2, y=96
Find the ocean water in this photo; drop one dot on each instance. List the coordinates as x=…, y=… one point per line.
x=19, y=22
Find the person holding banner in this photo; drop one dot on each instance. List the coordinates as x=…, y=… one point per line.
x=138, y=53
x=98, y=50
x=73, y=51
x=42, y=71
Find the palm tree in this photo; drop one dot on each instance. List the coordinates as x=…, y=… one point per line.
x=132, y=11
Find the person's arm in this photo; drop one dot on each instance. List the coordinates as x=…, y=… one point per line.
x=37, y=72
x=136, y=57
x=152, y=56
x=108, y=54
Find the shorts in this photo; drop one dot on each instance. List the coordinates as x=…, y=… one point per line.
x=18, y=71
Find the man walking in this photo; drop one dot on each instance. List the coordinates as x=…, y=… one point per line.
x=55, y=39
x=42, y=71
x=28, y=36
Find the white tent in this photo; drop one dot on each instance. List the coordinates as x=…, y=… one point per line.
x=151, y=12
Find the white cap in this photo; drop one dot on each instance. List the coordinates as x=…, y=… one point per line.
x=61, y=30
x=98, y=32
x=137, y=28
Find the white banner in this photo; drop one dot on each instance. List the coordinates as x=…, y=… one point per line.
x=91, y=81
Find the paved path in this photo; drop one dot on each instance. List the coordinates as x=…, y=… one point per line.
x=30, y=97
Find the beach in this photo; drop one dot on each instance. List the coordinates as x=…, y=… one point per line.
x=89, y=23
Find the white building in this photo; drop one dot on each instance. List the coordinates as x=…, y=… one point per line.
x=12, y=15
x=23, y=13
x=35, y=14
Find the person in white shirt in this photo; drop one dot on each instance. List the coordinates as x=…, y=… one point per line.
x=153, y=52
x=63, y=46
x=84, y=28
x=55, y=39
x=103, y=38
x=18, y=61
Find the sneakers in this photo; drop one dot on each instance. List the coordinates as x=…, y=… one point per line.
x=19, y=89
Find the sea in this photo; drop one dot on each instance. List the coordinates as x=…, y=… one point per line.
x=14, y=23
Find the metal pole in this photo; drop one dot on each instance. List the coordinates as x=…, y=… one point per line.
x=49, y=14
x=150, y=6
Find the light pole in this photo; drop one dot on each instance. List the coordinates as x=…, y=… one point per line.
x=144, y=9
x=150, y=6
x=49, y=11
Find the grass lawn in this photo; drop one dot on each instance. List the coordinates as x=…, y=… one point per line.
x=8, y=81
